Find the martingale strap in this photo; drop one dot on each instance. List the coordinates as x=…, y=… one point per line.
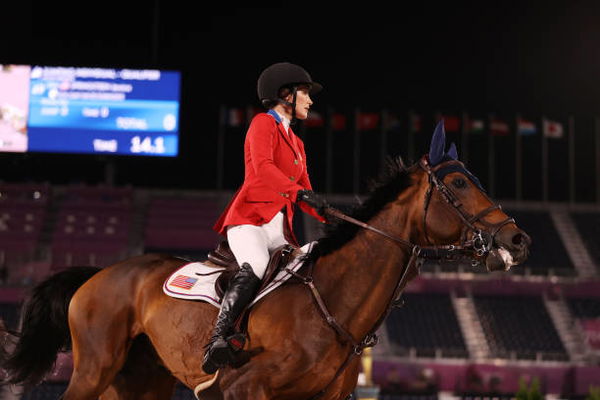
x=370, y=339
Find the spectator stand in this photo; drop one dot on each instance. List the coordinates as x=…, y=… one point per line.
x=181, y=224
x=519, y=328
x=586, y=321
x=23, y=211
x=92, y=226
x=426, y=327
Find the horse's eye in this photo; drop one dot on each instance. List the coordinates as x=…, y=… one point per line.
x=459, y=183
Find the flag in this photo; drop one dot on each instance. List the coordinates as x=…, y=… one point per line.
x=475, y=126
x=314, y=120
x=184, y=282
x=553, y=129
x=366, y=121
x=451, y=123
x=338, y=122
x=499, y=127
x=415, y=122
x=392, y=122
x=234, y=117
x=525, y=127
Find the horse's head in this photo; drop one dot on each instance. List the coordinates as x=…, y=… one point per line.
x=458, y=211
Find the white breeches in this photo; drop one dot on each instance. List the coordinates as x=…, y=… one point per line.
x=253, y=244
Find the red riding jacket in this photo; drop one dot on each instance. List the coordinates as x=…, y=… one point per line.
x=275, y=169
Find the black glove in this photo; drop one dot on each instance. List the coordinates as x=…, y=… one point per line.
x=313, y=200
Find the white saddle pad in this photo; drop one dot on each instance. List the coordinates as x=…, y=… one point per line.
x=196, y=281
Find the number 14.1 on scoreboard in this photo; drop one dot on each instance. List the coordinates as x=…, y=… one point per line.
x=147, y=145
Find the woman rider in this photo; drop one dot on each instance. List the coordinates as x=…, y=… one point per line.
x=259, y=217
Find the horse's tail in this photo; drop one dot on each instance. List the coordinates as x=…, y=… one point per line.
x=44, y=326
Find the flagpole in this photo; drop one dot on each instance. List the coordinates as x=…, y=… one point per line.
x=571, y=150
x=544, y=161
x=356, y=172
x=411, y=136
x=464, y=145
x=329, y=151
x=518, y=162
x=383, y=142
x=597, y=132
x=491, y=159
x=221, y=146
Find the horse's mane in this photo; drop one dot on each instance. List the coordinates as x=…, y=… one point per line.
x=393, y=179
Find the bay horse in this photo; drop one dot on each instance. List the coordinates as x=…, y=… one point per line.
x=130, y=341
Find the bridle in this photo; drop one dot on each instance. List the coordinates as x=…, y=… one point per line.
x=476, y=248
x=481, y=241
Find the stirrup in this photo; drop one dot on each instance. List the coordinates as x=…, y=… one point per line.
x=218, y=354
x=236, y=341
x=222, y=354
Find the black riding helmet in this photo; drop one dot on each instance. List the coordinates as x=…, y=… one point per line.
x=283, y=75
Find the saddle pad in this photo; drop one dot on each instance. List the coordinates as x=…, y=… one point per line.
x=196, y=281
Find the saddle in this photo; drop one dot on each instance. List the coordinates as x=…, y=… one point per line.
x=223, y=257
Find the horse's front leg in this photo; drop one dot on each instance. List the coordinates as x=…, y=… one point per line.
x=344, y=385
x=246, y=387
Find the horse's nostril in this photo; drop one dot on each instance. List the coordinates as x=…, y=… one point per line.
x=518, y=239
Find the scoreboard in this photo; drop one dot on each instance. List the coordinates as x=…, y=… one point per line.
x=89, y=110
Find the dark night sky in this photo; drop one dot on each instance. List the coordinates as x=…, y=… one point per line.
x=481, y=56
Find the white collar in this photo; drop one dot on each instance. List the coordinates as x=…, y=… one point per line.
x=285, y=122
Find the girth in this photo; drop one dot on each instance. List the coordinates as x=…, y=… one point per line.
x=222, y=256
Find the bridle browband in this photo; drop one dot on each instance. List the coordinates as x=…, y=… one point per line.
x=476, y=248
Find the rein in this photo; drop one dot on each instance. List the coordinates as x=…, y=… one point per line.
x=476, y=248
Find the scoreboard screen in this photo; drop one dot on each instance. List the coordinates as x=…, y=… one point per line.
x=89, y=110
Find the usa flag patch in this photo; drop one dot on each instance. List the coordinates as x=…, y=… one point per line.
x=184, y=282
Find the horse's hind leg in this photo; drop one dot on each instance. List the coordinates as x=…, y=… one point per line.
x=100, y=340
x=142, y=377
x=92, y=373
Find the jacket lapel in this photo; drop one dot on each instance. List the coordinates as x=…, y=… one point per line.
x=288, y=138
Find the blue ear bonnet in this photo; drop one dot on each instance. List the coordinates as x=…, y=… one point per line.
x=448, y=169
x=438, y=155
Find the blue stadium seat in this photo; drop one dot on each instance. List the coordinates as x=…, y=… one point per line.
x=547, y=252
x=9, y=313
x=584, y=307
x=519, y=325
x=426, y=322
x=588, y=225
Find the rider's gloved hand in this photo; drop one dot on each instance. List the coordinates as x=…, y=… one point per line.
x=314, y=200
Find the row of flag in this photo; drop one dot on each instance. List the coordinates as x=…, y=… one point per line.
x=365, y=121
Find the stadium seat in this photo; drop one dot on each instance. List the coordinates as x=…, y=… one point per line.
x=547, y=253
x=428, y=324
x=584, y=307
x=588, y=225
x=176, y=224
x=519, y=326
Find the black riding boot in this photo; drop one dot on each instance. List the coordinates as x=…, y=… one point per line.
x=241, y=291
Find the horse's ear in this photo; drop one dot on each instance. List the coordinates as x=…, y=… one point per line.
x=452, y=152
x=438, y=143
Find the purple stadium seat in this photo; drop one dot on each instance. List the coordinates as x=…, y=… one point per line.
x=14, y=195
x=92, y=227
x=181, y=224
